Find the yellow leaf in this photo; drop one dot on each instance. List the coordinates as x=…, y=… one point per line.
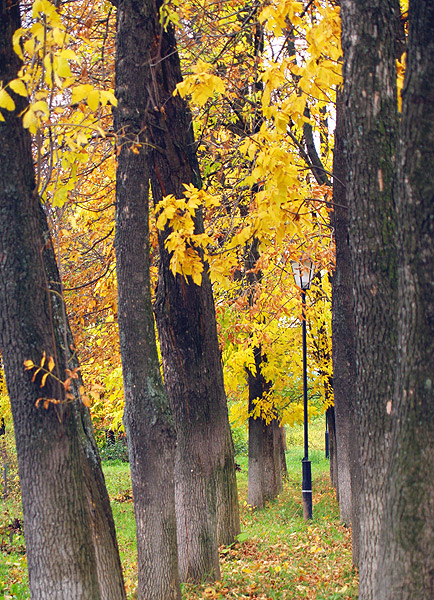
x=197, y=277
x=93, y=100
x=28, y=364
x=51, y=364
x=109, y=97
x=44, y=356
x=38, y=31
x=60, y=196
x=61, y=67
x=80, y=92
x=69, y=54
x=6, y=101
x=182, y=88
x=17, y=85
x=44, y=378
x=81, y=389
x=59, y=36
x=41, y=107
x=30, y=121
x=16, y=42
x=30, y=46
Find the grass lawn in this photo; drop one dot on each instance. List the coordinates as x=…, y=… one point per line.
x=279, y=556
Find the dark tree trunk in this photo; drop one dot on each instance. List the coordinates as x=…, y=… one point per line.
x=205, y=483
x=265, y=444
x=60, y=552
x=369, y=47
x=147, y=417
x=342, y=323
x=331, y=426
x=282, y=444
x=407, y=569
x=344, y=339
x=109, y=569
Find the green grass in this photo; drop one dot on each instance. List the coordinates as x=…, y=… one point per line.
x=281, y=556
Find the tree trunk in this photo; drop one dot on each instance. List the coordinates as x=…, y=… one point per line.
x=407, y=569
x=282, y=443
x=331, y=425
x=343, y=332
x=108, y=564
x=60, y=553
x=265, y=468
x=102, y=525
x=147, y=417
x=205, y=483
x=265, y=444
x=368, y=39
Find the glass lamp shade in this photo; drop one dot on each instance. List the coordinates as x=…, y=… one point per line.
x=303, y=272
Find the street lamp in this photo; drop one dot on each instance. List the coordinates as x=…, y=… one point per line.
x=303, y=272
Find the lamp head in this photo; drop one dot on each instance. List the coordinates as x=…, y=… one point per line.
x=303, y=271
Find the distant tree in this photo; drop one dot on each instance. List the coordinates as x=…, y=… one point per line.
x=265, y=440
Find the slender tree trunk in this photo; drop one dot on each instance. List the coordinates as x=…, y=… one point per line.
x=342, y=324
x=407, y=568
x=147, y=417
x=344, y=337
x=369, y=47
x=205, y=483
x=60, y=553
x=282, y=444
x=265, y=444
x=265, y=468
x=331, y=425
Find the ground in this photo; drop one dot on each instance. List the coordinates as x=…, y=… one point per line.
x=278, y=557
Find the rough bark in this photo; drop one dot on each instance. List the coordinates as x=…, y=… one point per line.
x=205, y=484
x=60, y=553
x=147, y=417
x=407, y=569
x=344, y=337
x=102, y=525
x=369, y=46
x=109, y=567
x=265, y=444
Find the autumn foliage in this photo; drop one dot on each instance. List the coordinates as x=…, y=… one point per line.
x=261, y=82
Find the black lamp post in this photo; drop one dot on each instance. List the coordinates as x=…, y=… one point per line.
x=303, y=271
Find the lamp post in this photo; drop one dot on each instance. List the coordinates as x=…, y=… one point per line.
x=303, y=271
